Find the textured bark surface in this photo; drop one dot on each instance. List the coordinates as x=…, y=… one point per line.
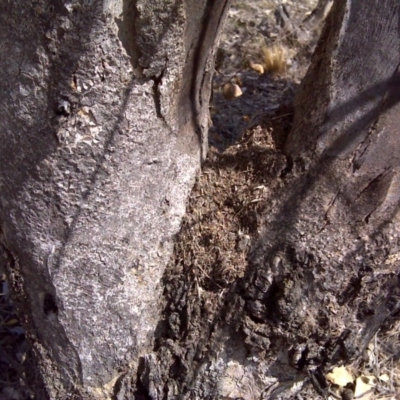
x=103, y=128
x=103, y=124
x=323, y=276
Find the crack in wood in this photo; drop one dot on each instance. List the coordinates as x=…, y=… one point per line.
x=200, y=87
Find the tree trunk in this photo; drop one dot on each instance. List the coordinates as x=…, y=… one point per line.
x=105, y=116
x=323, y=276
x=103, y=125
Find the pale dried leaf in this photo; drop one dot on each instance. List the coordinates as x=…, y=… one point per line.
x=384, y=378
x=256, y=67
x=340, y=376
x=231, y=91
x=364, y=387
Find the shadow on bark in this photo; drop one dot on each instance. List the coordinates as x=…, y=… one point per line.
x=288, y=271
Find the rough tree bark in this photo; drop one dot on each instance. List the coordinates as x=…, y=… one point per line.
x=92, y=139
x=103, y=125
x=324, y=275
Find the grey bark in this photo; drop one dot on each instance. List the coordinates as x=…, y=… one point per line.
x=323, y=277
x=96, y=143
x=103, y=125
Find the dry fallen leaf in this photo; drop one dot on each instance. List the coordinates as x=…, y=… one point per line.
x=364, y=387
x=384, y=378
x=340, y=376
x=231, y=91
x=12, y=321
x=256, y=67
